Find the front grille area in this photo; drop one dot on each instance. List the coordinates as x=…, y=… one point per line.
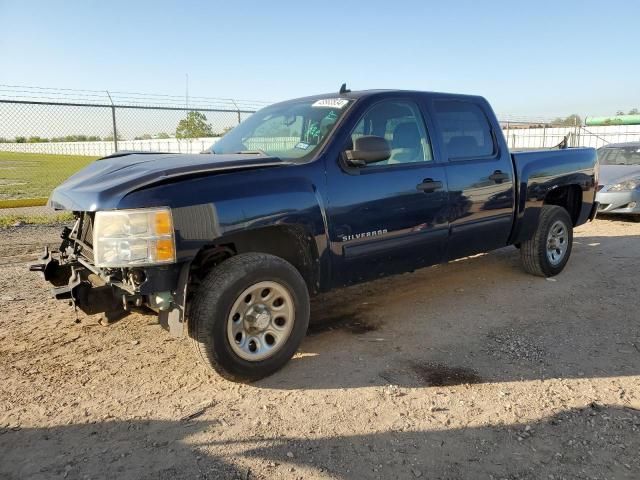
x=86, y=229
x=85, y=235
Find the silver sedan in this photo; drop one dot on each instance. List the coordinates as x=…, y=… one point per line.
x=619, y=184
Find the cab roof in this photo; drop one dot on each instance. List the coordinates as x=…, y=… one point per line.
x=358, y=94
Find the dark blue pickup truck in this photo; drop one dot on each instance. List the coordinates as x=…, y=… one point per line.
x=303, y=197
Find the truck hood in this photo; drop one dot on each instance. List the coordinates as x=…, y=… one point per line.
x=101, y=185
x=610, y=174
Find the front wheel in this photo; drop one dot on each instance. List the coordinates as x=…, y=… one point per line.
x=249, y=316
x=548, y=251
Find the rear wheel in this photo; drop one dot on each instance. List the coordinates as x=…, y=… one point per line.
x=249, y=316
x=548, y=251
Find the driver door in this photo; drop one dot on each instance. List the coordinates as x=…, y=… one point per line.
x=389, y=216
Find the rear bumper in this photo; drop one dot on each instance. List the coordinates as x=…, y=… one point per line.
x=619, y=202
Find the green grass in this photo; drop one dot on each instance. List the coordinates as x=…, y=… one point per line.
x=7, y=221
x=34, y=175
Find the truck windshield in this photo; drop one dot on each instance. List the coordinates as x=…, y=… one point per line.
x=291, y=130
x=619, y=156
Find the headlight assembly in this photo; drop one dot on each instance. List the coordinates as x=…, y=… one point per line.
x=123, y=238
x=625, y=186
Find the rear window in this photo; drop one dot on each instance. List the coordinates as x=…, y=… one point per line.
x=464, y=128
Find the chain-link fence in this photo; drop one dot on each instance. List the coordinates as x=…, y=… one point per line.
x=43, y=142
x=48, y=134
x=534, y=135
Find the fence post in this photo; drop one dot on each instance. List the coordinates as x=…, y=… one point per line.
x=113, y=119
x=575, y=132
x=544, y=136
x=237, y=109
x=507, y=134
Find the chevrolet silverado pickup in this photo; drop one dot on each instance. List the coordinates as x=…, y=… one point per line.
x=306, y=196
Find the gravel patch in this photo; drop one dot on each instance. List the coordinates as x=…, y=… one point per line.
x=462, y=371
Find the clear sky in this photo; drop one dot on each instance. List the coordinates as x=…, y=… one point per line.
x=535, y=58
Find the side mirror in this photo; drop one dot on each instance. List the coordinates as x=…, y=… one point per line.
x=368, y=149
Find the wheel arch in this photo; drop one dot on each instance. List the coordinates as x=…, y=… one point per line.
x=291, y=242
x=568, y=197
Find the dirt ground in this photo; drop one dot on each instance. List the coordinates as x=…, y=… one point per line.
x=467, y=370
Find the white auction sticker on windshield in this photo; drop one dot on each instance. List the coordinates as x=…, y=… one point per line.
x=330, y=103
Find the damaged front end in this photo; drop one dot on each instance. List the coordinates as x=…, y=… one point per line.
x=112, y=291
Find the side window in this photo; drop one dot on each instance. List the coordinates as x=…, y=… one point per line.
x=401, y=124
x=465, y=129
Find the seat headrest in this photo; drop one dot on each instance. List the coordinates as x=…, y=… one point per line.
x=461, y=144
x=406, y=135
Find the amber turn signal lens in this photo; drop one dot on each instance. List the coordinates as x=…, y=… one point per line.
x=163, y=224
x=165, y=251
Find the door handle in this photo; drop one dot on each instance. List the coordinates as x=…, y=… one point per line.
x=499, y=176
x=429, y=185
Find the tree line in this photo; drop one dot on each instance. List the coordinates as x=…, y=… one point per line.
x=571, y=120
x=195, y=125
x=66, y=138
x=633, y=111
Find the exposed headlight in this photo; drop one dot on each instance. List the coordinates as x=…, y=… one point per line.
x=123, y=238
x=625, y=186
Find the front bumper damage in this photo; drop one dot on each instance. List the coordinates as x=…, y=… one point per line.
x=86, y=290
x=113, y=293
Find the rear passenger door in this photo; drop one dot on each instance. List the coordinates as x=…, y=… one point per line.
x=479, y=173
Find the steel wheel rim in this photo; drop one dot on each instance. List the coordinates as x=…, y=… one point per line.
x=260, y=321
x=557, y=242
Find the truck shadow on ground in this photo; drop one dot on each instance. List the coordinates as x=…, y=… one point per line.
x=597, y=441
x=617, y=217
x=476, y=320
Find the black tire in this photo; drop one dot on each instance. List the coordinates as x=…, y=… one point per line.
x=212, y=305
x=533, y=252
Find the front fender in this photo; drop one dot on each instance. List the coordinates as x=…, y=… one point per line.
x=211, y=208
